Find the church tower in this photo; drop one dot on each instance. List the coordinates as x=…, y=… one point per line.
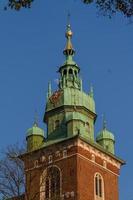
x=68, y=163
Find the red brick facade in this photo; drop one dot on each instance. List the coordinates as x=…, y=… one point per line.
x=78, y=163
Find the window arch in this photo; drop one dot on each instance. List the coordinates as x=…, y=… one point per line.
x=52, y=183
x=75, y=73
x=99, y=187
x=70, y=71
x=65, y=72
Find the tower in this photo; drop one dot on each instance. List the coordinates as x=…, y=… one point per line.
x=69, y=163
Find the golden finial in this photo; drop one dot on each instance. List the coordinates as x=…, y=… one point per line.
x=69, y=47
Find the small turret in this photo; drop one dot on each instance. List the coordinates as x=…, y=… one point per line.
x=34, y=137
x=106, y=139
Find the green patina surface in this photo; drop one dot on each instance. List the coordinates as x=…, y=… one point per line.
x=69, y=110
x=106, y=139
x=92, y=143
x=34, y=137
x=35, y=130
x=72, y=96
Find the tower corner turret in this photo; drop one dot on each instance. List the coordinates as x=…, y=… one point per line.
x=34, y=137
x=106, y=139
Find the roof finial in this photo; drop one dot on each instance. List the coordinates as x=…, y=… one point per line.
x=36, y=118
x=91, y=91
x=49, y=89
x=69, y=47
x=68, y=18
x=104, y=122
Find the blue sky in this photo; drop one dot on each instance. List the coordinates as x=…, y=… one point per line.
x=31, y=45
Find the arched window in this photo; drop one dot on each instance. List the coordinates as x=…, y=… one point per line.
x=47, y=192
x=99, y=187
x=65, y=72
x=75, y=73
x=52, y=183
x=70, y=71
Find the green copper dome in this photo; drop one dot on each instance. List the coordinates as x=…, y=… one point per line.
x=34, y=137
x=35, y=130
x=106, y=139
x=105, y=134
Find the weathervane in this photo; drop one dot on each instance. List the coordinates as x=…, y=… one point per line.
x=68, y=18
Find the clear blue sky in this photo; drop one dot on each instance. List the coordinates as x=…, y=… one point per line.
x=31, y=44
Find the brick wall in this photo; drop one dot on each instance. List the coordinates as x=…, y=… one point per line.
x=78, y=162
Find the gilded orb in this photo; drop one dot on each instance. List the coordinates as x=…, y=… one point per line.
x=69, y=33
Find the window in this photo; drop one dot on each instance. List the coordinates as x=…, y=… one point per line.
x=77, y=130
x=70, y=71
x=87, y=127
x=47, y=192
x=65, y=72
x=52, y=183
x=107, y=147
x=75, y=73
x=57, y=123
x=99, y=187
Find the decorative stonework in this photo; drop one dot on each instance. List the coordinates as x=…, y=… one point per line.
x=57, y=154
x=64, y=153
x=36, y=163
x=93, y=158
x=68, y=195
x=70, y=149
x=50, y=159
x=104, y=164
x=98, y=153
x=43, y=159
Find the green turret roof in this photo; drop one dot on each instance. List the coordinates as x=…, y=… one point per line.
x=76, y=98
x=105, y=134
x=35, y=130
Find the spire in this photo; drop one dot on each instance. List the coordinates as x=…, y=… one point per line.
x=91, y=91
x=35, y=119
x=69, y=47
x=104, y=123
x=49, y=89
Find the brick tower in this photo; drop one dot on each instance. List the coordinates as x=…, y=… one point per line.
x=69, y=163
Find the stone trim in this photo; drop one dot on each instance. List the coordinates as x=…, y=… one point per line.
x=42, y=186
x=97, y=164
x=103, y=193
x=81, y=156
x=98, y=153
